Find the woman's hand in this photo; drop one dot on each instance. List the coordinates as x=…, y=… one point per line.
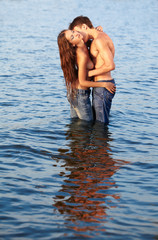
x=110, y=87
x=99, y=28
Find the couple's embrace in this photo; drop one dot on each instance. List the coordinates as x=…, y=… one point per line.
x=87, y=66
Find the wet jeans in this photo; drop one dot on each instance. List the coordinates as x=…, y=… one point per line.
x=80, y=105
x=101, y=102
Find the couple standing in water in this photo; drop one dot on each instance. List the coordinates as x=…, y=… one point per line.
x=87, y=66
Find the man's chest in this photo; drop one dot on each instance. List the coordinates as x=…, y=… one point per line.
x=93, y=50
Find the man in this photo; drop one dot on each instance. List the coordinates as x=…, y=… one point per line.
x=102, y=51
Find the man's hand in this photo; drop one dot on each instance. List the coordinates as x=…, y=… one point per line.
x=110, y=87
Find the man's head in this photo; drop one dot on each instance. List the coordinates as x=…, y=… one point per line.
x=82, y=24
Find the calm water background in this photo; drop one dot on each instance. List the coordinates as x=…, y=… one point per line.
x=71, y=180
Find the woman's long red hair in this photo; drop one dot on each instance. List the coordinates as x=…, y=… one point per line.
x=68, y=60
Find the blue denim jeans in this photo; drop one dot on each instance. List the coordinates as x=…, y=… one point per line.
x=101, y=102
x=80, y=105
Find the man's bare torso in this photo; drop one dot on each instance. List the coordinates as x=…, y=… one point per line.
x=103, y=51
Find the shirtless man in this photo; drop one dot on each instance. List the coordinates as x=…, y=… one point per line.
x=102, y=51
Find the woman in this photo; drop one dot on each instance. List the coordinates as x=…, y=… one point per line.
x=75, y=63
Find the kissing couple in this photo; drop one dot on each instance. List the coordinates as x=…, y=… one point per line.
x=87, y=59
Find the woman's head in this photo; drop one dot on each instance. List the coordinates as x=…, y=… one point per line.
x=74, y=37
x=67, y=51
x=70, y=38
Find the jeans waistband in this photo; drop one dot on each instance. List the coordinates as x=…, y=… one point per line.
x=111, y=80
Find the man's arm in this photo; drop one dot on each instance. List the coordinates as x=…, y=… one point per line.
x=107, y=57
x=82, y=63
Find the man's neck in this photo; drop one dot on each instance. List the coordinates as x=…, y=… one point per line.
x=93, y=33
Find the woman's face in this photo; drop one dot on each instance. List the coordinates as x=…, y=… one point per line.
x=73, y=37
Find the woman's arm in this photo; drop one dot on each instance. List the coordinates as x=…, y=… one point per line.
x=99, y=28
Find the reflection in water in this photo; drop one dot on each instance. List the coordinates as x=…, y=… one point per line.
x=89, y=166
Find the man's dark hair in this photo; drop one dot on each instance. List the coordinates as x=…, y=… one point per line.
x=78, y=21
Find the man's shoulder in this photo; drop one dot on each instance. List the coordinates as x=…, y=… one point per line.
x=101, y=37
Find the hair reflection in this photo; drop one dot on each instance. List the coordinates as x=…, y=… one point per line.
x=89, y=166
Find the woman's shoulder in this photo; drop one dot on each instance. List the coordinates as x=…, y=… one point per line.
x=82, y=54
x=82, y=51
